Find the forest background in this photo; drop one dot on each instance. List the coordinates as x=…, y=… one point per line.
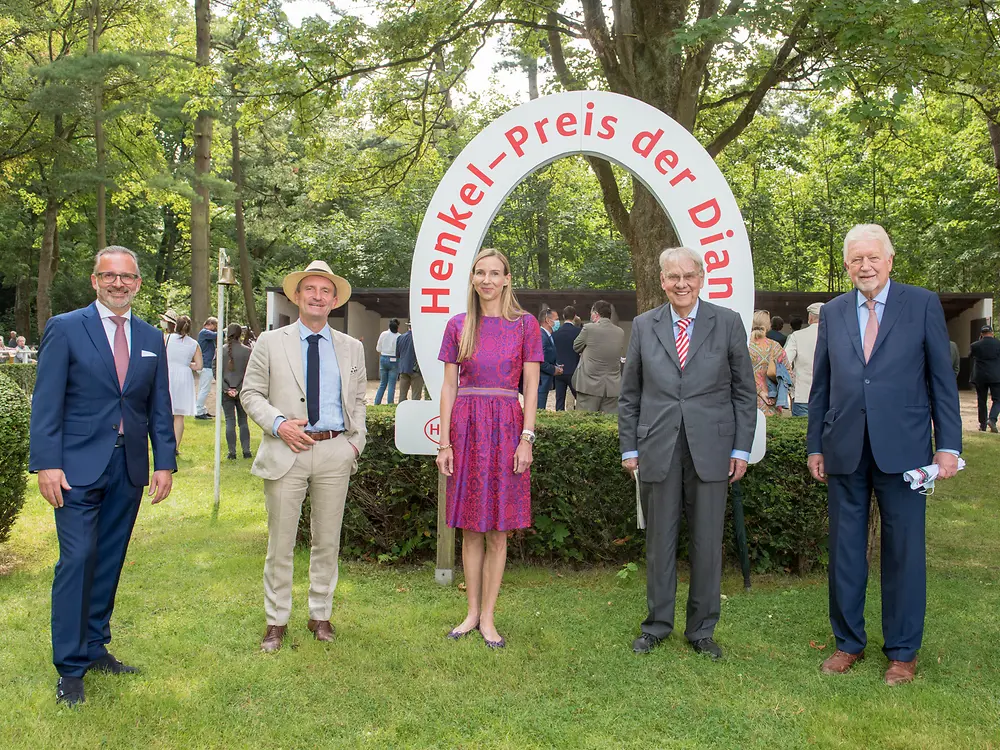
x=176, y=128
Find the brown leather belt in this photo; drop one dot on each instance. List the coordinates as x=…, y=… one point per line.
x=326, y=435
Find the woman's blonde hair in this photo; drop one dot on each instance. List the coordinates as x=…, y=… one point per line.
x=761, y=324
x=509, y=307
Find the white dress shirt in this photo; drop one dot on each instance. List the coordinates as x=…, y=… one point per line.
x=110, y=326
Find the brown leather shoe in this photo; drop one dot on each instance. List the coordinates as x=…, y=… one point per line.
x=900, y=672
x=322, y=629
x=840, y=662
x=272, y=638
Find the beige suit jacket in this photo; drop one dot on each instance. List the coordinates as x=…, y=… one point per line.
x=274, y=386
x=800, y=348
x=600, y=347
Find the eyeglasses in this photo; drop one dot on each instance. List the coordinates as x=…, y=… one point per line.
x=108, y=277
x=674, y=279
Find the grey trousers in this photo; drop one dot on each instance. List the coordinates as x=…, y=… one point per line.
x=704, y=506
x=408, y=381
x=588, y=402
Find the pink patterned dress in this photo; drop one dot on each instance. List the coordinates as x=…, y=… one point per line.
x=484, y=493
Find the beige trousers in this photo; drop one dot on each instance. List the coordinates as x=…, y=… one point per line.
x=588, y=402
x=408, y=381
x=323, y=470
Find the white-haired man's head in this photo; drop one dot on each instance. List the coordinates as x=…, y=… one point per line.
x=682, y=275
x=868, y=255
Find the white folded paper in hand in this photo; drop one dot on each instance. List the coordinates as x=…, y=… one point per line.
x=923, y=478
x=640, y=520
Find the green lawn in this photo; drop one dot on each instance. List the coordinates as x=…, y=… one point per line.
x=190, y=613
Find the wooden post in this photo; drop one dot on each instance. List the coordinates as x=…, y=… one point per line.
x=444, y=571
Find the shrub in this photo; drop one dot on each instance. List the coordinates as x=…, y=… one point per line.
x=15, y=415
x=23, y=375
x=583, y=504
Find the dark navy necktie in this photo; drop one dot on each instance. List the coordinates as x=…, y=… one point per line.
x=312, y=378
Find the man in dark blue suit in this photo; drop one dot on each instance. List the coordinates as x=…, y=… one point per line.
x=564, y=336
x=549, y=368
x=101, y=391
x=881, y=378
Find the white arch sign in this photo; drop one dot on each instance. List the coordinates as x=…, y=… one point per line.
x=668, y=160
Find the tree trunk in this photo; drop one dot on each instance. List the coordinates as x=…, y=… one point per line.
x=246, y=274
x=22, y=306
x=48, y=263
x=993, y=123
x=200, y=303
x=96, y=28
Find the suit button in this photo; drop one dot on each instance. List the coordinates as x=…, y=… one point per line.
x=677, y=428
x=682, y=401
x=114, y=427
x=302, y=400
x=862, y=411
x=867, y=381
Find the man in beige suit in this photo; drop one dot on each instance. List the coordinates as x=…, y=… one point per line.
x=799, y=348
x=598, y=376
x=305, y=387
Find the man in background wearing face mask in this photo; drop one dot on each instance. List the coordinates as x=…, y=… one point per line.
x=548, y=319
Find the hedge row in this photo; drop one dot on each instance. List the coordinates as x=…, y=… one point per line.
x=23, y=375
x=15, y=418
x=583, y=504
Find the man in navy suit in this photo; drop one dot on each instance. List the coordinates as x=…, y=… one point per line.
x=549, y=368
x=882, y=378
x=101, y=391
x=564, y=336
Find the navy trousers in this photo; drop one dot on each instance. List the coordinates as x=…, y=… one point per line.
x=563, y=382
x=544, y=386
x=904, y=572
x=94, y=527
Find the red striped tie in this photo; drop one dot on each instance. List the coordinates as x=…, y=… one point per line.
x=683, y=341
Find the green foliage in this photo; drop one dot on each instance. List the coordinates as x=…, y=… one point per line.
x=23, y=375
x=583, y=504
x=15, y=416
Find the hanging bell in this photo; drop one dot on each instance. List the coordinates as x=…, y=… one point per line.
x=227, y=276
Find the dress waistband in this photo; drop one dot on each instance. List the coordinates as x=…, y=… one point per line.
x=468, y=390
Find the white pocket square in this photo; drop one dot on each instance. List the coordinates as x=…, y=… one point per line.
x=148, y=354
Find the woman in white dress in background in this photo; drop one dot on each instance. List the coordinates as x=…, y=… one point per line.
x=183, y=361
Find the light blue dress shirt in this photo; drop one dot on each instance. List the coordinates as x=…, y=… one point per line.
x=744, y=455
x=331, y=410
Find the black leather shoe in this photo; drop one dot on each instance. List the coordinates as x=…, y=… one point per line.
x=992, y=424
x=231, y=457
x=69, y=691
x=110, y=665
x=248, y=454
x=204, y=416
x=645, y=643
x=709, y=647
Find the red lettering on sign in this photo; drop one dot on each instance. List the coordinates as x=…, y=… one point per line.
x=588, y=120
x=540, y=129
x=564, y=122
x=432, y=429
x=435, y=306
x=442, y=248
x=722, y=293
x=607, y=131
x=455, y=217
x=668, y=158
x=713, y=261
x=439, y=270
x=685, y=175
x=697, y=213
x=643, y=143
x=478, y=172
x=468, y=193
x=517, y=136
x=716, y=237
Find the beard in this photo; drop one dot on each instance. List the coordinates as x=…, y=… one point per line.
x=115, y=297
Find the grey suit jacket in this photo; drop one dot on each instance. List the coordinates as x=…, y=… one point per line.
x=600, y=347
x=274, y=385
x=714, y=396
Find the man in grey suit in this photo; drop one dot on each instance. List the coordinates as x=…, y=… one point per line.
x=686, y=421
x=598, y=375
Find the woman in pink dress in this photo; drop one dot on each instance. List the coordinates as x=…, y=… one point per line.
x=486, y=438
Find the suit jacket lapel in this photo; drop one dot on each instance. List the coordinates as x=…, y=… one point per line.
x=663, y=327
x=134, y=356
x=703, y=326
x=851, y=321
x=893, y=306
x=293, y=350
x=344, y=364
x=95, y=329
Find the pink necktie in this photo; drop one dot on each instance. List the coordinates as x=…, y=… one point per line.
x=683, y=342
x=871, y=329
x=121, y=350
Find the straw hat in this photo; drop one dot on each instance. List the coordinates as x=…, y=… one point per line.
x=814, y=308
x=317, y=268
x=170, y=316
